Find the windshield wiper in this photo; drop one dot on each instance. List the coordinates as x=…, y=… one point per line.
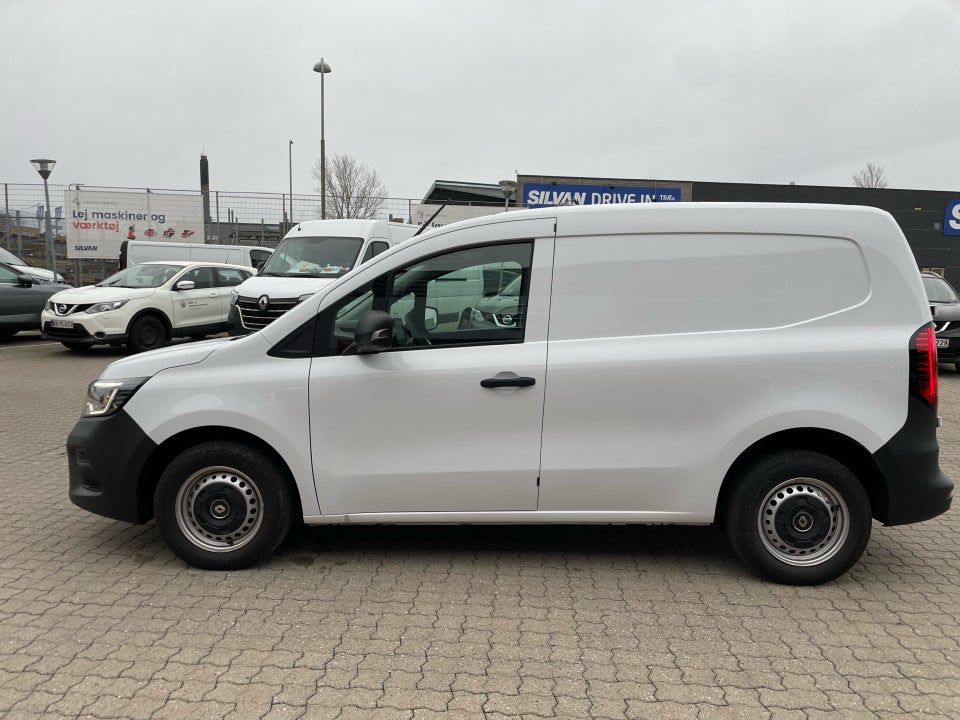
x=271, y=274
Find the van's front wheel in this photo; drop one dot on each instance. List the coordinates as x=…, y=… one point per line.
x=798, y=517
x=222, y=506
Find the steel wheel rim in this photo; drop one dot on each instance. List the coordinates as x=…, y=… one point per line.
x=803, y=522
x=219, y=509
x=148, y=334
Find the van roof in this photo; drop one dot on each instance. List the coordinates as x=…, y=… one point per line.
x=579, y=215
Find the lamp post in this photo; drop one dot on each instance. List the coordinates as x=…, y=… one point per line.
x=290, y=169
x=508, y=188
x=322, y=68
x=44, y=167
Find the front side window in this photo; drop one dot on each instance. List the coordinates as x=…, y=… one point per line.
x=202, y=278
x=440, y=301
x=7, y=275
x=259, y=256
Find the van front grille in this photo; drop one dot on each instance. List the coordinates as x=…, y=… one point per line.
x=253, y=318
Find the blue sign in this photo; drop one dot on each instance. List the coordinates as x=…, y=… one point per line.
x=40, y=212
x=544, y=194
x=951, y=218
x=58, y=212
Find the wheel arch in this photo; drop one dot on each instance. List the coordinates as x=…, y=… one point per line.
x=835, y=445
x=152, y=312
x=164, y=453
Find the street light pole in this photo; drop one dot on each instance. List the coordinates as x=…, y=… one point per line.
x=322, y=68
x=290, y=168
x=44, y=167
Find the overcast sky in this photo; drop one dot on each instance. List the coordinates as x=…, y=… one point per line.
x=130, y=93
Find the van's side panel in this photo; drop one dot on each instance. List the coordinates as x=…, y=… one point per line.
x=671, y=353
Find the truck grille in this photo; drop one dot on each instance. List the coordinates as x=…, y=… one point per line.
x=253, y=318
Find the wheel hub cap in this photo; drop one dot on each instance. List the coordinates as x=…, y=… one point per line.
x=219, y=509
x=803, y=522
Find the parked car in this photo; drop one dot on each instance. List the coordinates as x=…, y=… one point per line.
x=499, y=310
x=22, y=299
x=945, y=308
x=40, y=274
x=145, y=305
x=789, y=393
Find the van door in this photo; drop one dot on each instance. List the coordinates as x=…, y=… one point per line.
x=449, y=419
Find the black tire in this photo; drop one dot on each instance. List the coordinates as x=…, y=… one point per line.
x=223, y=506
x=76, y=347
x=146, y=333
x=956, y=366
x=798, y=518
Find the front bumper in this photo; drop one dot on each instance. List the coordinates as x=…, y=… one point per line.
x=950, y=354
x=95, y=329
x=106, y=457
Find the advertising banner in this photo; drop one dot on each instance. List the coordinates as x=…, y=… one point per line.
x=543, y=194
x=951, y=218
x=99, y=221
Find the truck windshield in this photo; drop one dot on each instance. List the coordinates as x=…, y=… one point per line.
x=314, y=257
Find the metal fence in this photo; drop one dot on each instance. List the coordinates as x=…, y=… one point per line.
x=247, y=218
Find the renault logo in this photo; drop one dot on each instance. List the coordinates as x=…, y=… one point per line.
x=263, y=302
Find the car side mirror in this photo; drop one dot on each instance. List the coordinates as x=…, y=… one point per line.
x=374, y=333
x=431, y=318
x=185, y=285
x=25, y=280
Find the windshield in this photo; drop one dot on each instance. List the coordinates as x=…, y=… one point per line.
x=314, y=257
x=9, y=257
x=142, y=276
x=939, y=290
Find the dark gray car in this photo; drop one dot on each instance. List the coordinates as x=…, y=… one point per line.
x=945, y=308
x=22, y=297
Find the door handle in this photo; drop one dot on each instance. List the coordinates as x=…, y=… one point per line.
x=507, y=382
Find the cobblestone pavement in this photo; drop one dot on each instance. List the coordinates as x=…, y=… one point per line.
x=98, y=619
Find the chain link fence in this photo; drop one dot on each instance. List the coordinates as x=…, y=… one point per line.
x=242, y=218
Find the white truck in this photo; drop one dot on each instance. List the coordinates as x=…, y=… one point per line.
x=312, y=255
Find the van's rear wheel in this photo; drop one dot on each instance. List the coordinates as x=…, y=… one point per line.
x=223, y=506
x=798, y=517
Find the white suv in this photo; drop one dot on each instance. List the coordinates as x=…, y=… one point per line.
x=145, y=305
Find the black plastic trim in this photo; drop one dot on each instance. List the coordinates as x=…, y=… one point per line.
x=106, y=457
x=916, y=488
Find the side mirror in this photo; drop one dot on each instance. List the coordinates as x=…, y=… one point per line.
x=374, y=333
x=26, y=280
x=185, y=285
x=431, y=318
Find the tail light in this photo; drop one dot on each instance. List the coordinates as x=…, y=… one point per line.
x=923, y=365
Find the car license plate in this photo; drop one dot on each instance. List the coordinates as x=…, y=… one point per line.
x=943, y=342
x=64, y=324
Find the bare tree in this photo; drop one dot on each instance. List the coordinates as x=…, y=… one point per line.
x=871, y=176
x=353, y=189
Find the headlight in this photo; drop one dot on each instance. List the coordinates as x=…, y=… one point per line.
x=234, y=297
x=108, y=396
x=105, y=306
x=304, y=297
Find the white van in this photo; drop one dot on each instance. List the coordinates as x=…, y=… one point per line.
x=134, y=252
x=310, y=257
x=771, y=368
